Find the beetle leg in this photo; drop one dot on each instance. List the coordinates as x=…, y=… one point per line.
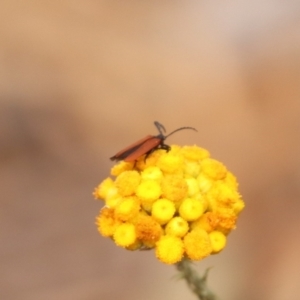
x=161, y=146
x=165, y=147
x=148, y=153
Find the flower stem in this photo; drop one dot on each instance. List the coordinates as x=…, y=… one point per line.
x=196, y=283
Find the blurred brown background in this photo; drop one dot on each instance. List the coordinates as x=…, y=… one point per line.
x=79, y=80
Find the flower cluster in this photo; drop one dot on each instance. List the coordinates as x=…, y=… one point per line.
x=182, y=203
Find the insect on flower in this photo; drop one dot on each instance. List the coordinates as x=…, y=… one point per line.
x=146, y=145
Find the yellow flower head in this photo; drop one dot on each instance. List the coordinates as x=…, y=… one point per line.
x=217, y=240
x=182, y=203
x=148, y=229
x=121, y=167
x=148, y=190
x=103, y=190
x=177, y=227
x=125, y=235
x=174, y=187
x=163, y=210
x=193, y=186
x=194, y=153
x=169, y=249
x=227, y=220
x=127, y=182
x=197, y=244
x=208, y=221
x=106, y=222
x=205, y=183
x=152, y=173
x=231, y=181
x=127, y=208
x=191, y=209
x=192, y=168
x=213, y=168
x=222, y=194
x=143, y=164
x=171, y=163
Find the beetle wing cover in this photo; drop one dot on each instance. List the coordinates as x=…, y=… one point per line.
x=144, y=147
x=130, y=150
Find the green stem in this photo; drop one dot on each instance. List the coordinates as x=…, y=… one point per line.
x=195, y=282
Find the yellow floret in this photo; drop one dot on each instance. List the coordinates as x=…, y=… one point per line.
x=192, y=168
x=163, y=210
x=175, y=149
x=103, y=189
x=202, y=198
x=194, y=153
x=127, y=208
x=170, y=163
x=147, y=229
x=218, y=241
x=113, y=199
x=193, y=186
x=144, y=163
x=222, y=195
x=231, y=180
x=238, y=206
x=227, y=194
x=208, y=221
x=106, y=222
x=152, y=173
x=109, y=192
x=213, y=168
x=227, y=220
x=127, y=182
x=148, y=190
x=125, y=235
x=121, y=167
x=191, y=209
x=177, y=227
x=174, y=187
x=169, y=249
x=205, y=183
x=197, y=244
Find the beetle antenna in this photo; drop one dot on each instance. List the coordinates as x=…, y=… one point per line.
x=181, y=128
x=160, y=127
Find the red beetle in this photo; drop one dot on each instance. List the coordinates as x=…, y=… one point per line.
x=146, y=145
